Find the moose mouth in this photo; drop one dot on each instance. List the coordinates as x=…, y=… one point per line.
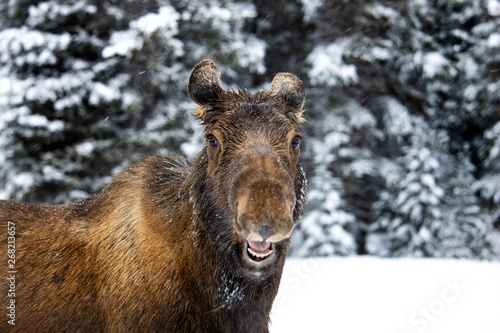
x=260, y=259
x=258, y=252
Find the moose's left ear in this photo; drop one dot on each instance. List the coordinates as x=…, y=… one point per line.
x=290, y=88
x=204, y=83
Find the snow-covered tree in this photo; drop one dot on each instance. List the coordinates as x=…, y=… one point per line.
x=489, y=184
x=424, y=70
x=409, y=213
x=469, y=232
x=343, y=173
x=428, y=207
x=60, y=103
x=92, y=86
x=327, y=228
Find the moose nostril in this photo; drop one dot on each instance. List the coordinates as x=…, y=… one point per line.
x=266, y=232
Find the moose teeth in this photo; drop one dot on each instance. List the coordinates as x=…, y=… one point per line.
x=260, y=255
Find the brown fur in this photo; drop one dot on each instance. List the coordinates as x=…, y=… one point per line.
x=162, y=247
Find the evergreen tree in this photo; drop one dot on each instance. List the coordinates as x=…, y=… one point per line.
x=327, y=228
x=489, y=184
x=414, y=66
x=96, y=85
x=409, y=212
x=469, y=232
x=427, y=209
x=59, y=98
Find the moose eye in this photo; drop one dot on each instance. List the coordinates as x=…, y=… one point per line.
x=295, y=143
x=212, y=141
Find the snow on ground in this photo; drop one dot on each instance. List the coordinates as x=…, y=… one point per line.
x=375, y=295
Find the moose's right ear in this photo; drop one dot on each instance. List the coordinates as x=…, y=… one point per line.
x=204, y=83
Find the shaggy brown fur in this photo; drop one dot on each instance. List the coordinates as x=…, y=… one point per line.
x=170, y=245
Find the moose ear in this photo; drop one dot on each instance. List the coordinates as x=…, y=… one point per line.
x=204, y=83
x=290, y=88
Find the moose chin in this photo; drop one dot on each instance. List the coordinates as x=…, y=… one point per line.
x=170, y=244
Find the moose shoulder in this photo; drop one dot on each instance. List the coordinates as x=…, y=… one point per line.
x=172, y=245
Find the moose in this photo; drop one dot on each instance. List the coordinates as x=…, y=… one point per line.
x=171, y=244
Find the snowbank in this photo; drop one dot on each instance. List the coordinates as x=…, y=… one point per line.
x=370, y=295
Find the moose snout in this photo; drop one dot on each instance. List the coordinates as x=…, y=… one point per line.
x=252, y=230
x=264, y=212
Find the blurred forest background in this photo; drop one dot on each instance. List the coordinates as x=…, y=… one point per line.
x=402, y=143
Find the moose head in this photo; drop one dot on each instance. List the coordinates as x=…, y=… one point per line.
x=252, y=177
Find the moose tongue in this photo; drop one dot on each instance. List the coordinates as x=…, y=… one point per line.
x=259, y=247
